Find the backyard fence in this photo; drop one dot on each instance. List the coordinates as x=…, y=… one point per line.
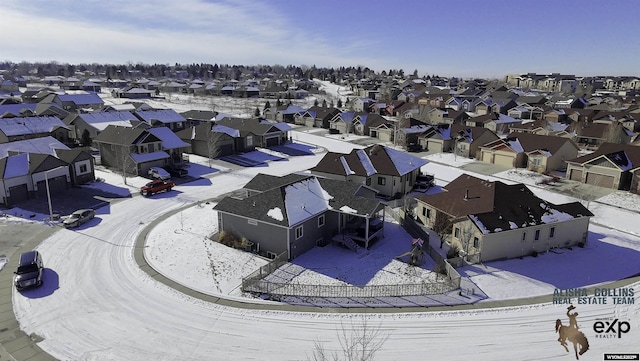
x=347, y=291
x=414, y=229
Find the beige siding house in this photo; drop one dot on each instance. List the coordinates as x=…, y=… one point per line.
x=612, y=165
x=493, y=221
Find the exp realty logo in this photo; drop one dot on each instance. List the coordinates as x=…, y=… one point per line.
x=611, y=328
x=603, y=328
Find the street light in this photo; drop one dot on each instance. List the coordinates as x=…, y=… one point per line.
x=46, y=182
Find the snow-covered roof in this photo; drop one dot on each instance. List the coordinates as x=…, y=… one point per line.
x=30, y=125
x=305, y=199
x=235, y=133
x=404, y=163
x=366, y=162
x=41, y=145
x=17, y=166
x=169, y=139
x=148, y=157
x=161, y=115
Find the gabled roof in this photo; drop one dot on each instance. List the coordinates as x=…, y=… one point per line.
x=169, y=139
x=42, y=145
x=532, y=142
x=375, y=159
x=469, y=134
x=81, y=99
x=100, y=120
x=18, y=109
x=119, y=135
x=495, y=206
x=14, y=166
x=30, y=125
x=623, y=156
x=162, y=115
x=292, y=199
x=73, y=155
x=249, y=125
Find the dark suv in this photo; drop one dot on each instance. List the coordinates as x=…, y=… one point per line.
x=29, y=272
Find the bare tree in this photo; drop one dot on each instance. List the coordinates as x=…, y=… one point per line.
x=213, y=146
x=360, y=343
x=123, y=156
x=442, y=226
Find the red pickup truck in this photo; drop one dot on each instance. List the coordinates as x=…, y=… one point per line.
x=156, y=186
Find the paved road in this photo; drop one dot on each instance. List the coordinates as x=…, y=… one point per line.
x=125, y=296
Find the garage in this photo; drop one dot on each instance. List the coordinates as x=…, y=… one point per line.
x=225, y=149
x=503, y=160
x=18, y=194
x=385, y=136
x=434, y=147
x=56, y=185
x=576, y=175
x=272, y=142
x=600, y=180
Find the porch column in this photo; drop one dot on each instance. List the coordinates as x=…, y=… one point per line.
x=366, y=231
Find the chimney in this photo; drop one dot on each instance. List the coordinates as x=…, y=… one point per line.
x=466, y=194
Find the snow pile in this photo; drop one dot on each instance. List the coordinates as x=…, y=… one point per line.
x=305, y=199
x=276, y=213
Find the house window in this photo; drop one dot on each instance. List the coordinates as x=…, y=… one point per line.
x=476, y=242
x=428, y=213
x=368, y=181
x=299, y=232
x=524, y=236
x=152, y=147
x=537, y=237
x=382, y=181
x=252, y=222
x=536, y=161
x=249, y=140
x=83, y=169
x=321, y=221
x=457, y=233
x=552, y=231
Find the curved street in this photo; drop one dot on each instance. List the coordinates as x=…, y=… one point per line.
x=98, y=303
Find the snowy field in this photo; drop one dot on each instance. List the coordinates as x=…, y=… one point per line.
x=102, y=306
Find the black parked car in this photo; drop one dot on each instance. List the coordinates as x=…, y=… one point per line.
x=29, y=272
x=178, y=172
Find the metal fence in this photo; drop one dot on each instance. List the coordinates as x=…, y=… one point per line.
x=348, y=291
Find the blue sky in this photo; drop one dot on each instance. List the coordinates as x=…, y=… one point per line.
x=465, y=38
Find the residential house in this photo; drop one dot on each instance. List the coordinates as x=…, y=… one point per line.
x=195, y=117
x=291, y=214
x=76, y=101
x=20, y=128
x=133, y=93
x=162, y=118
x=492, y=221
x=612, y=165
x=81, y=165
x=408, y=135
x=539, y=153
x=390, y=172
x=362, y=104
x=497, y=122
x=31, y=175
x=172, y=144
x=94, y=123
x=256, y=133
x=342, y=123
x=437, y=139
x=42, y=145
x=542, y=127
x=316, y=116
x=468, y=140
x=363, y=122
x=210, y=140
x=132, y=150
x=590, y=136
